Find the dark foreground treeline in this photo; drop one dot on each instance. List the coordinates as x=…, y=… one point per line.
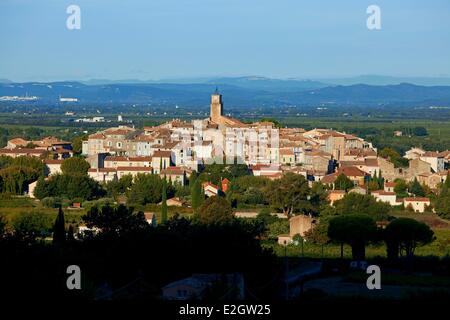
x=134, y=260
x=131, y=260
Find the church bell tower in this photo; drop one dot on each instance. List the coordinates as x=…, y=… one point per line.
x=216, y=107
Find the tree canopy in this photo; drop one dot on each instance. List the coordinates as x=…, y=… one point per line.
x=416, y=188
x=354, y=229
x=197, y=196
x=289, y=193
x=404, y=235
x=342, y=182
x=215, y=210
x=30, y=226
x=442, y=204
x=146, y=188
x=75, y=165
x=116, y=221
x=17, y=173
x=354, y=203
x=71, y=186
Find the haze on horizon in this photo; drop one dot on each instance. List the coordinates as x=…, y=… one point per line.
x=163, y=39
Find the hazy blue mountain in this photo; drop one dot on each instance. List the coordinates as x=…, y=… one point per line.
x=367, y=94
x=237, y=93
x=267, y=84
x=379, y=80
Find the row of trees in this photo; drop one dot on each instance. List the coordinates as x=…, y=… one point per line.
x=290, y=194
x=402, y=235
x=17, y=173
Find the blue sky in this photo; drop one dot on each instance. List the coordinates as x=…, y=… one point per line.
x=157, y=39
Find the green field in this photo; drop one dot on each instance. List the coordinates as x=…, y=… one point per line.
x=10, y=208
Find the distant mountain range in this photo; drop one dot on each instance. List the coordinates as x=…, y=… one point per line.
x=237, y=91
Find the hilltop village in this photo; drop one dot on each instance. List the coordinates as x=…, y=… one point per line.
x=177, y=148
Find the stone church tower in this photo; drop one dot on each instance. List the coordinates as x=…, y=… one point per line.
x=216, y=107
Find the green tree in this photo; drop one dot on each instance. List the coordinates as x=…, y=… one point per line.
x=145, y=189
x=289, y=194
x=265, y=217
x=192, y=178
x=393, y=156
x=116, y=187
x=376, y=182
x=17, y=173
x=380, y=180
x=319, y=198
x=442, y=204
x=182, y=191
x=356, y=230
x=30, y=226
x=70, y=234
x=404, y=235
x=446, y=183
x=373, y=185
x=75, y=165
x=41, y=190
x=71, y=186
x=214, y=173
x=354, y=203
x=416, y=189
x=247, y=190
x=318, y=234
x=238, y=170
x=342, y=182
x=278, y=227
x=77, y=143
x=401, y=188
x=164, y=202
x=59, y=228
x=196, y=195
x=215, y=210
x=115, y=220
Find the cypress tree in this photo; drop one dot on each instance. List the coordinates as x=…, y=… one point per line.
x=447, y=181
x=220, y=193
x=192, y=179
x=164, y=202
x=70, y=236
x=196, y=195
x=380, y=180
x=202, y=195
x=59, y=229
x=416, y=189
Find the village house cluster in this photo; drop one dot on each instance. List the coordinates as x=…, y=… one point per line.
x=183, y=146
x=175, y=148
x=50, y=147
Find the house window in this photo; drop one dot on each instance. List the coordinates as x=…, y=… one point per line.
x=119, y=144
